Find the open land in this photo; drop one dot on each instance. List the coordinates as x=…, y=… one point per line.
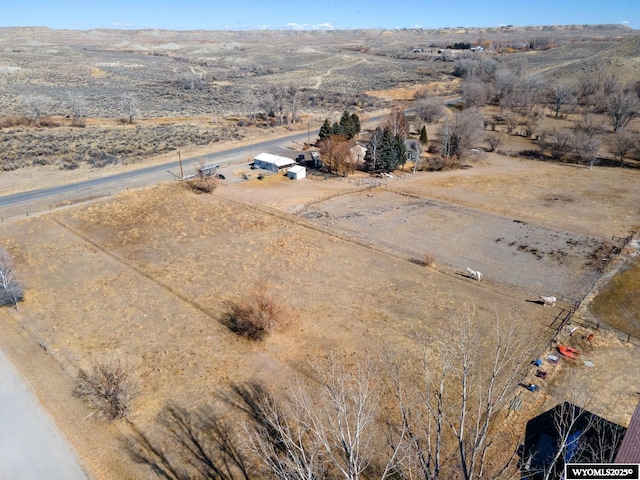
x=147, y=273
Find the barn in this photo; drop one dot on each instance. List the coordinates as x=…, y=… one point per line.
x=297, y=172
x=273, y=163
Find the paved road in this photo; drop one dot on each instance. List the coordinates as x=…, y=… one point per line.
x=31, y=446
x=87, y=187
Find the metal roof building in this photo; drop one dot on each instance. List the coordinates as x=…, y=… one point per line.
x=273, y=163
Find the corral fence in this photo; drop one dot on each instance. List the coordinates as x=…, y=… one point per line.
x=567, y=315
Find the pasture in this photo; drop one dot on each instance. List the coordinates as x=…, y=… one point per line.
x=147, y=274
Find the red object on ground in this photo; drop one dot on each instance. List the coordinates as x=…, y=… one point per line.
x=541, y=374
x=568, y=351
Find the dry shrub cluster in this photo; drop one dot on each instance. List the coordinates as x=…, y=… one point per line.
x=257, y=315
x=99, y=146
x=109, y=388
x=201, y=183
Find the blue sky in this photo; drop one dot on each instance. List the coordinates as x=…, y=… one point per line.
x=317, y=14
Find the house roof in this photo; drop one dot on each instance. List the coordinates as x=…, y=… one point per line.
x=629, y=451
x=275, y=159
x=297, y=169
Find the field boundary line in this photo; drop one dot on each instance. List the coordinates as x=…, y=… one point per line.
x=139, y=271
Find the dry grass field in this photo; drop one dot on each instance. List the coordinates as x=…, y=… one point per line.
x=149, y=274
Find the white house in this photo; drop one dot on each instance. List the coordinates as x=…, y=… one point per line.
x=273, y=163
x=297, y=172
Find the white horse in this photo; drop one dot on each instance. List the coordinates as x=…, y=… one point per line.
x=550, y=300
x=476, y=275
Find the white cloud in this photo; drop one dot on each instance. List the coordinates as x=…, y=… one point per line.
x=306, y=26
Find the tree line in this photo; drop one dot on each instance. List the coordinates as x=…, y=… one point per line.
x=391, y=419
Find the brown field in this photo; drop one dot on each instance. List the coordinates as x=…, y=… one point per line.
x=148, y=274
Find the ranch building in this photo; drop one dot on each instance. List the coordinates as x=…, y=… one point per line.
x=297, y=172
x=273, y=163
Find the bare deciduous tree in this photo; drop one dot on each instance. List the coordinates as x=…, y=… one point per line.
x=397, y=123
x=585, y=147
x=559, y=97
x=430, y=109
x=623, y=143
x=76, y=103
x=474, y=94
x=557, y=142
x=329, y=430
x=335, y=151
x=109, y=387
x=188, y=80
x=579, y=435
x=622, y=107
x=494, y=140
x=450, y=412
x=35, y=105
x=130, y=107
x=11, y=290
x=281, y=439
x=461, y=133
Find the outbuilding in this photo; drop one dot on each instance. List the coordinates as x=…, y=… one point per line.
x=273, y=163
x=297, y=172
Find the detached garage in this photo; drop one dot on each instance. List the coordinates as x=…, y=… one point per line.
x=273, y=163
x=297, y=172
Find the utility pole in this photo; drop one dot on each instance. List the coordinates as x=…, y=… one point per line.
x=308, y=135
x=180, y=160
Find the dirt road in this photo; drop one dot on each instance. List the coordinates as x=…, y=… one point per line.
x=31, y=447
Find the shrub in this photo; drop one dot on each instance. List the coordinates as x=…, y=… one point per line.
x=109, y=388
x=202, y=183
x=429, y=259
x=257, y=316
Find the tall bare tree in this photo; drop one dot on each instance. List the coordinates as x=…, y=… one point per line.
x=461, y=132
x=556, y=142
x=11, y=290
x=325, y=429
x=622, y=107
x=76, y=103
x=397, y=123
x=130, y=107
x=559, y=96
x=623, y=143
x=36, y=106
x=474, y=93
x=449, y=413
x=429, y=108
x=585, y=147
x=335, y=151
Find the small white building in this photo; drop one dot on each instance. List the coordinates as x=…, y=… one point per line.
x=297, y=172
x=273, y=163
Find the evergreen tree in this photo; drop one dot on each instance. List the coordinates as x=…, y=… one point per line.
x=345, y=124
x=355, y=120
x=325, y=130
x=424, y=139
x=337, y=129
x=388, y=159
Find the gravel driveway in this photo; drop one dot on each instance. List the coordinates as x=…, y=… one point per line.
x=31, y=446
